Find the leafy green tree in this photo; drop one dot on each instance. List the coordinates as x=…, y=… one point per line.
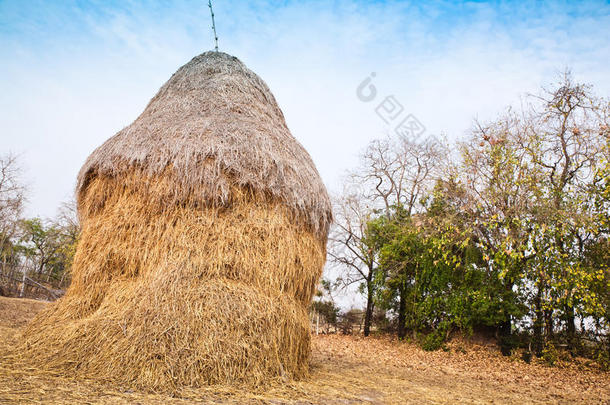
x=513, y=235
x=324, y=304
x=50, y=247
x=39, y=243
x=499, y=189
x=328, y=310
x=434, y=275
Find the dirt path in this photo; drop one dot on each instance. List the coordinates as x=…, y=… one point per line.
x=345, y=370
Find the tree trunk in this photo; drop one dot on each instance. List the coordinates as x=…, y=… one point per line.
x=402, y=313
x=505, y=329
x=571, y=330
x=538, y=323
x=369, y=313
x=22, y=284
x=548, y=324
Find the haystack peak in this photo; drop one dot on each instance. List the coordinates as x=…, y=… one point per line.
x=215, y=125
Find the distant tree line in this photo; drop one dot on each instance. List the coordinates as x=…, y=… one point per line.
x=506, y=231
x=35, y=254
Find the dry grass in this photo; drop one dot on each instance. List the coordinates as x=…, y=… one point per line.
x=18, y=312
x=183, y=295
x=344, y=370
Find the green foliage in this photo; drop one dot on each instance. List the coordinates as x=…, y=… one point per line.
x=603, y=358
x=436, y=339
x=550, y=354
x=434, y=275
x=516, y=234
x=50, y=247
x=326, y=309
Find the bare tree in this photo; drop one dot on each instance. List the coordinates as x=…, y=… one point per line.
x=67, y=218
x=393, y=173
x=350, y=250
x=12, y=198
x=398, y=172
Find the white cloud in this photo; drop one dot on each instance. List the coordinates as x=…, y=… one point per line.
x=72, y=77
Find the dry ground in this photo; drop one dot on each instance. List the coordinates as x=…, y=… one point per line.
x=345, y=370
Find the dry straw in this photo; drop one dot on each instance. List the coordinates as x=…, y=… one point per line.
x=204, y=227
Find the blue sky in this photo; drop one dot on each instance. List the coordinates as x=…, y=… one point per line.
x=72, y=73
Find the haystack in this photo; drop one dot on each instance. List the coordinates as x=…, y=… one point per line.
x=204, y=227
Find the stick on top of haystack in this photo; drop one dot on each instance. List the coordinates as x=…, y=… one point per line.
x=213, y=125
